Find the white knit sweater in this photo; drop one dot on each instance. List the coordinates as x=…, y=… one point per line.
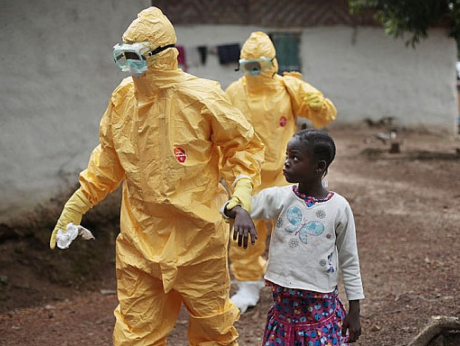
x=310, y=244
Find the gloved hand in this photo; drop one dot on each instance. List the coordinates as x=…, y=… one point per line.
x=73, y=211
x=314, y=100
x=242, y=194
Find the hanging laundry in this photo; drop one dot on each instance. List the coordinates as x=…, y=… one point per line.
x=229, y=53
x=193, y=56
x=182, y=58
x=203, y=51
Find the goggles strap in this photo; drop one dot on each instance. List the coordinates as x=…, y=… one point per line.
x=160, y=49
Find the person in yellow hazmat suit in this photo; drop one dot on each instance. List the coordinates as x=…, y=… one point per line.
x=159, y=138
x=272, y=104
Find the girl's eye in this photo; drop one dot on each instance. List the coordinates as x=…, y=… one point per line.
x=292, y=157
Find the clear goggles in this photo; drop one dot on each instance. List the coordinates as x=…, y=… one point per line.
x=255, y=66
x=135, y=55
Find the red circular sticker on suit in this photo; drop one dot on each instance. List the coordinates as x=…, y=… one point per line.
x=179, y=153
x=283, y=121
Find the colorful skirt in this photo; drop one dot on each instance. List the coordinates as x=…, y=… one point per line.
x=304, y=318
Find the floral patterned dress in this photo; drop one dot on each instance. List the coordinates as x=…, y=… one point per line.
x=304, y=318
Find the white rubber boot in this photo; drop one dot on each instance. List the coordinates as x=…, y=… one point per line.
x=248, y=294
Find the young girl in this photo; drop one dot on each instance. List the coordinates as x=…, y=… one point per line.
x=313, y=238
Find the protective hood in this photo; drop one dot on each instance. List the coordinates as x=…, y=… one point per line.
x=258, y=45
x=151, y=25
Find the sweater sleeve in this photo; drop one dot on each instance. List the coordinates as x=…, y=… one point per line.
x=348, y=255
x=267, y=204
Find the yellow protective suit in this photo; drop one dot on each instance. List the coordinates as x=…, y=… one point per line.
x=271, y=103
x=159, y=137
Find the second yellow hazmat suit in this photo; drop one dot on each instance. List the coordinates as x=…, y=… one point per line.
x=159, y=137
x=271, y=103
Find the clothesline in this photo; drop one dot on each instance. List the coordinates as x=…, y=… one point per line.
x=194, y=56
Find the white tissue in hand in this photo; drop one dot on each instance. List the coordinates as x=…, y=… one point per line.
x=64, y=238
x=85, y=233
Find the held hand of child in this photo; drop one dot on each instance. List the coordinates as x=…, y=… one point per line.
x=243, y=227
x=352, y=322
x=242, y=193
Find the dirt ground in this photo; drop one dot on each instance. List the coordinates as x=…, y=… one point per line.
x=407, y=210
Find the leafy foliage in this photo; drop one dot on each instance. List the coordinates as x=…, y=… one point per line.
x=415, y=17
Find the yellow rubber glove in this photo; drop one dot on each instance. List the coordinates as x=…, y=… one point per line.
x=314, y=100
x=242, y=194
x=73, y=211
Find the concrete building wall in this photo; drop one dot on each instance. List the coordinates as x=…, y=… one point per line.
x=58, y=73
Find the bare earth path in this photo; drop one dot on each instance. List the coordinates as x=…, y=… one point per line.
x=407, y=210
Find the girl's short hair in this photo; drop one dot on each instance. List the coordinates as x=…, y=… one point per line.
x=319, y=143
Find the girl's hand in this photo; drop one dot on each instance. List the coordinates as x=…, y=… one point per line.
x=243, y=227
x=352, y=322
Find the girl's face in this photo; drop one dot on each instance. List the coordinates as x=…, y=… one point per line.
x=299, y=166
